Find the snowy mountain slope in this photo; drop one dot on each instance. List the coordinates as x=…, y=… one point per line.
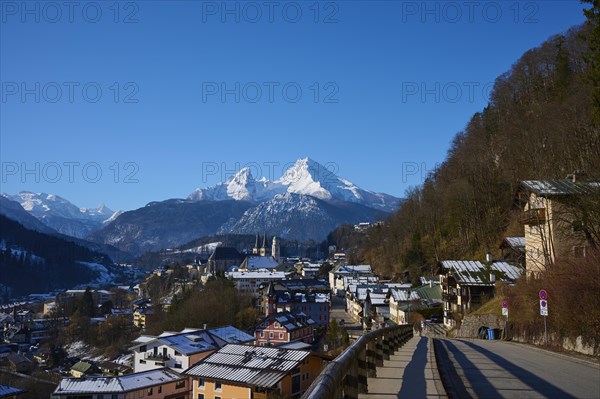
x=305, y=177
x=167, y=224
x=300, y=217
x=61, y=215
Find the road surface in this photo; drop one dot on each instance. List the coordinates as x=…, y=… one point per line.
x=498, y=369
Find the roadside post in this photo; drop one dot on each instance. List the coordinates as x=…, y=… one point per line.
x=544, y=311
x=505, y=313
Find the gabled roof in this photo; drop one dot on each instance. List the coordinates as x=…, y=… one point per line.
x=248, y=365
x=516, y=243
x=467, y=272
x=259, y=262
x=290, y=320
x=402, y=295
x=126, y=383
x=190, y=341
x=82, y=367
x=554, y=188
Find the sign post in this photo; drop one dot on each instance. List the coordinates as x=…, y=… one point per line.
x=544, y=311
x=505, y=313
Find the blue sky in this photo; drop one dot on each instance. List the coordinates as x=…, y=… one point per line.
x=126, y=105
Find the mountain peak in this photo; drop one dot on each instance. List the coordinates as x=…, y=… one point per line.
x=306, y=176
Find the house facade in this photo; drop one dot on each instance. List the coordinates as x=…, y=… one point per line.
x=556, y=220
x=246, y=372
x=285, y=327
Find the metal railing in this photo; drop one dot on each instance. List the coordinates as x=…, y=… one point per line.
x=346, y=376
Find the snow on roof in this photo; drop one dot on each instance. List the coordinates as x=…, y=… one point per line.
x=402, y=295
x=469, y=272
x=258, y=274
x=550, y=188
x=248, y=365
x=354, y=269
x=231, y=335
x=126, y=383
x=190, y=340
x=260, y=262
x=515, y=242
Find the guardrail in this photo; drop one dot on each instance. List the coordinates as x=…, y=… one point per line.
x=346, y=376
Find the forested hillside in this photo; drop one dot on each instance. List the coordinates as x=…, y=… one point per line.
x=539, y=124
x=33, y=262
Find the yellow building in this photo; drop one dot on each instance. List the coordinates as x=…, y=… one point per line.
x=558, y=219
x=140, y=316
x=254, y=372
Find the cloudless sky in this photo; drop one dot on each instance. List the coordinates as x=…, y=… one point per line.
x=136, y=101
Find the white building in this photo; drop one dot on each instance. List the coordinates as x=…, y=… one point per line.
x=248, y=282
x=179, y=351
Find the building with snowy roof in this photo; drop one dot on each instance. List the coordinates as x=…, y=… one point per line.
x=285, y=327
x=555, y=217
x=162, y=383
x=180, y=350
x=465, y=284
x=251, y=372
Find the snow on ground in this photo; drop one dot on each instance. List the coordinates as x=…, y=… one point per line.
x=104, y=276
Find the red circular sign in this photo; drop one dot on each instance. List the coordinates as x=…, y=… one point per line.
x=543, y=294
x=504, y=304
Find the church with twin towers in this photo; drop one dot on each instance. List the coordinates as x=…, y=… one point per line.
x=263, y=250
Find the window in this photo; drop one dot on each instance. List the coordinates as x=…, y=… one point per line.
x=177, y=353
x=217, y=397
x=280, y=335
x=271, y=335
x=180, y=384
x=201, y=383
x=579, y=252
x=177, y=365
x=277, y=325
x=143, y=348
x=160, y=389
x=262, y=334
x=142, y=361
x=200, y=396
x=114, y=397
x=149, y=391
x=218, y=386
x=100, y=397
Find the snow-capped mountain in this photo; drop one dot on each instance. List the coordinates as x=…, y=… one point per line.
x=61, y=215
x=300, y=217
x=305, y=177
x=241, y=187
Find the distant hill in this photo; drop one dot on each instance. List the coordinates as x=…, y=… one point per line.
x=35, y=262
x=168, y=224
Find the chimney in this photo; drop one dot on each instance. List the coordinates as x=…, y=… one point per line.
x=577, y=175
x=488, y=257
x=492, y=278
x=204, y=327
x=431, y=283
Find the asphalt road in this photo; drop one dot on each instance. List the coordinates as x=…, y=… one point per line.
x=497, y=369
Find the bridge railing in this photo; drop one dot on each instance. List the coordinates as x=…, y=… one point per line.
x=346, y=376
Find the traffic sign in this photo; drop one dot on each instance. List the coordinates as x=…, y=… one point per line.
x=543, y=294
x=543, y=307
x=504, y=311
x=504, y=305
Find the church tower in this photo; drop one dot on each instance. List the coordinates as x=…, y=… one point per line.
x=263, y=249
x=255, y=249
x=275, y=248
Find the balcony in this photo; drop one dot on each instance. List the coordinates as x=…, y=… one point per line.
x=159, y=357
x=533, y=216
